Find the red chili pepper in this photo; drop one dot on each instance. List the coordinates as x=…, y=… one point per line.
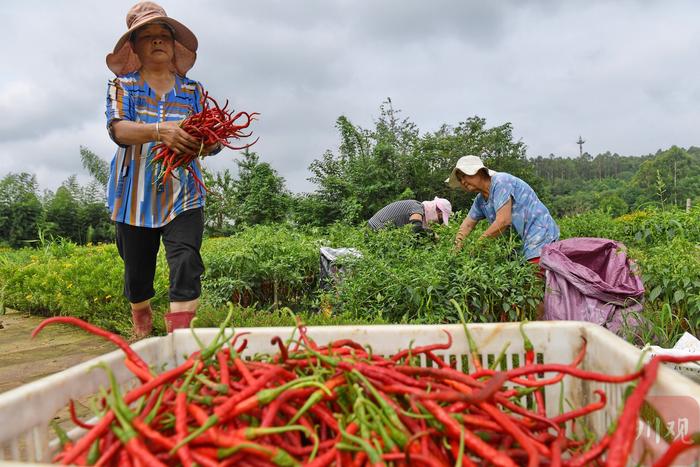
x=243, y=370
x=222, y=358
x=592, y=454
x=678, y=447
x=138, y=371
x=74, y=417
x=84, y=443
x=426, y=348
x=424, y=459
x=209, y=126
x=622, y=439
x=121, y=343
x=283, y=356
x=472, y=441
x=108, y=454
x=235, y=405
x=181, y=427
x=531, y=447
x=273, y=409
x=529, y=361
x=582, y=411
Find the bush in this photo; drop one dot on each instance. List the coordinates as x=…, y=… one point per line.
x=268, y=265
x=65, y=279
x=400, y=278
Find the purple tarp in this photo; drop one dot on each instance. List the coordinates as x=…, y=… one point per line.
x=591, y=279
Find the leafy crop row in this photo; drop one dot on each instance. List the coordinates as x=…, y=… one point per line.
x=399, y=278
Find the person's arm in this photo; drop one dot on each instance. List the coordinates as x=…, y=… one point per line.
x=464, y=231
x=502, y=222
x=416, y=220
x=127, y=133
x=415, y=217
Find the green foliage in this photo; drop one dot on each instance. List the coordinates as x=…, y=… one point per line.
x=671, y=274
x=643, y=229
x=62, y=215
x=257, y=196
x=259, y=192
x=620, y=183
x=402, y=279
x=220, y=208
x=655, y=227
x=62, y=278
x=589, y=224
x=587, y=168
x=392, y=161
x=252, y=317
x=662, y=173
x=96, y=166
x=664, y=245
x=399, y=277
x=20, y=209
x=613, y=204
x=268, y=265
x=77, y=213
x=266, y=269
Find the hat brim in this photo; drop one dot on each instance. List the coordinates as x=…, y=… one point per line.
x=445, y=217
x=453, y=182
x=124, y=60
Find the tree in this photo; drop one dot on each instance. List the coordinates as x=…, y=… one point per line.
x=221, y=203
x=259, y=192
x=97, y=167
x=375, y=167
x=62, y=212
x=370, y=169
x=613, y=204
x=440, y=151
x=78, y=213
x=20, y=209
x=670, y=168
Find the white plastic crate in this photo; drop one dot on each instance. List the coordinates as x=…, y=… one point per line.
x=25, y=412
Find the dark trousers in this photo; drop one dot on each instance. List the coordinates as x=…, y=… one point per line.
x=182, y=238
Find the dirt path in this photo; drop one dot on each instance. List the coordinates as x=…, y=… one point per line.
x=23, y=359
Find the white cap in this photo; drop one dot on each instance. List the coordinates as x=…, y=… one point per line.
x=468, y=165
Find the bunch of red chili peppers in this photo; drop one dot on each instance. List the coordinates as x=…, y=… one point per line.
x=340, y=404
x=210, y=126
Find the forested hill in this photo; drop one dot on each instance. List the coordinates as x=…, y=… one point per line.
x=619, y=183
x=368, y=168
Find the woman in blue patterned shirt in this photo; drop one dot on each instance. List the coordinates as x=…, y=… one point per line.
x=145, y=102
x=505, y=201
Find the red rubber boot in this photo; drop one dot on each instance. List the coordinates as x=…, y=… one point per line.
x=143, y=321
x=178, y=320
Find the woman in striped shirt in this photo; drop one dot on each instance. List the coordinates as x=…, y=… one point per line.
x=145, y=102
x=410, y=211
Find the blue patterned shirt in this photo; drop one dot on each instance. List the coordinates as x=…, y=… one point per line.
x=529, y=217
x=133, y=195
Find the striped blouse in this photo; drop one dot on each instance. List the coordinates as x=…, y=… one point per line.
x=134, y=196
x=396, y=214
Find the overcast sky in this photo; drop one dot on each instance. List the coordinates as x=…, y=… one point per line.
x=624, y=75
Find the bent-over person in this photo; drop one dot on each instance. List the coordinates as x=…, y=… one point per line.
x=410, y=211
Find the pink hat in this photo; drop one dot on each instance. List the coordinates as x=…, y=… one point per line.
x=437, y=204
x=123, y=60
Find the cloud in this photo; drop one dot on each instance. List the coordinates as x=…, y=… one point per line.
x=621, y=74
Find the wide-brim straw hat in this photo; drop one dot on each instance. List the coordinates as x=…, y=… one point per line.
x=124, y=60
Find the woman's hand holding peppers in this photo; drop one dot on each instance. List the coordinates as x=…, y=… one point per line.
x=178, y=139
